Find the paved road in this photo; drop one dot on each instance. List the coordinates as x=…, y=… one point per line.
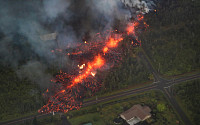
x=159, y=84
x=121, y=94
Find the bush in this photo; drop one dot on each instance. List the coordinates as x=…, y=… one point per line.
x=161, y=107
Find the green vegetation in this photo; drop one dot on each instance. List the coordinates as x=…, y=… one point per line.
x=172, y=40
x=18, y=97
x=161, y=107
x=188, y=97
x=131, y=71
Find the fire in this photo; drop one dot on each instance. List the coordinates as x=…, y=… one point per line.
x=93, y=74
x=140, y=17
x=82, y=66
x=105, y=49
x=76, y=53
x=62, y=91
x=112, y=43
x=68, y=92
x=131, y=28
x=97, y=63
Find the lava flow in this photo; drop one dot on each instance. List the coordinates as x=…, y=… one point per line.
x=69, y=88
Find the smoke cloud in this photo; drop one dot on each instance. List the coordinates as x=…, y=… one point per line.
x=36, y=72
x=23, y=22
x=55, y=7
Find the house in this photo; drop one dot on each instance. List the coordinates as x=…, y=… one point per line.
x=136, y=114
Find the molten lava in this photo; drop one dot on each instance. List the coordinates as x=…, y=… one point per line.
x=70, y=88
x=97, y=63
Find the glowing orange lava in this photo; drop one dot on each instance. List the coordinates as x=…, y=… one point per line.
x=105, y=49
x=97, y=63
x=131, y=28
x=112, y=43
x=68, y=91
